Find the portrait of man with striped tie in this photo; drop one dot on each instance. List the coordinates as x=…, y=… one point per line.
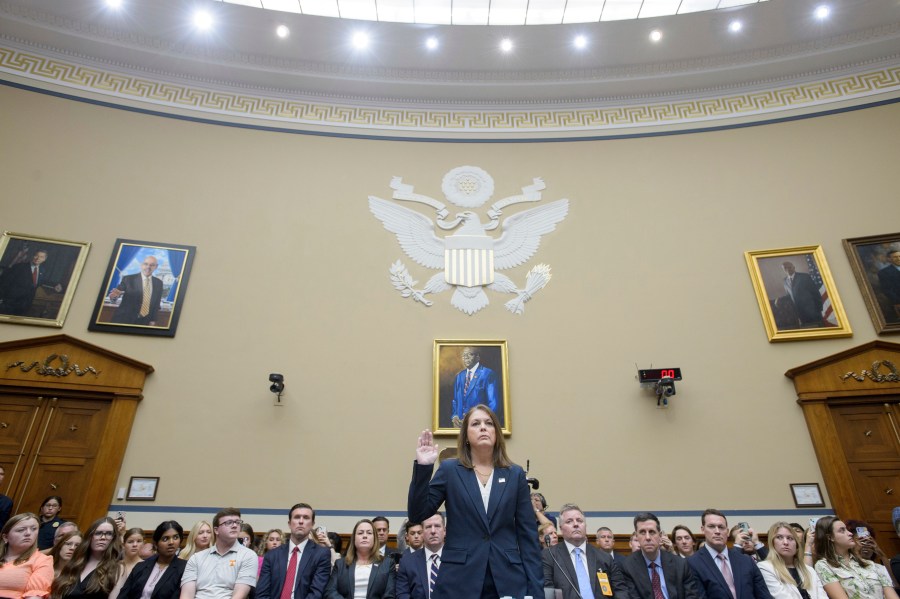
x=418, y=572
x=469, y=373
x=144, y=287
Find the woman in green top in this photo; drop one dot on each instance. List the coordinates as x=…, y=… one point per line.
x=844, y=574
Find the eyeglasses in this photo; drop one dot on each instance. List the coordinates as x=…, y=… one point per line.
x=99, y=534
x=231, y=522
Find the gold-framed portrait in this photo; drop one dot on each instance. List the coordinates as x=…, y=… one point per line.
x=38, y=277
x=796, y=294
x=468, y=373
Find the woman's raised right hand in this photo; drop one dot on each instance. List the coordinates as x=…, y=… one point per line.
x=427, y=451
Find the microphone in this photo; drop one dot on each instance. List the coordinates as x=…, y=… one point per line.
x=547, y=540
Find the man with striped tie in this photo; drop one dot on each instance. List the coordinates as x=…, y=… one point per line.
x=419, y=570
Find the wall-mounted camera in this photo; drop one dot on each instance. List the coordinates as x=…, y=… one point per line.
x=661, y=381
x=277, y=386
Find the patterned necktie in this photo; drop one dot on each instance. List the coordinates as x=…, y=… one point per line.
x=145, y=303
x=726, y=572
x=468, y=380
x=432, y=577
x=290, y=576
x=34, y=273
x=584, y=581
x=655, y=583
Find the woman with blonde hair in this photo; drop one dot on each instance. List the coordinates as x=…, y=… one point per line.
x=63, y=550
x=95, y=571
x=201, y=537
x=131, y=548
x=547, y=535
x=844, y=574
x=25, y=572
x=786, y=574
x=272, y=540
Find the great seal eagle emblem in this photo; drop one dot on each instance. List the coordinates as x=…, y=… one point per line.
x=469, y=258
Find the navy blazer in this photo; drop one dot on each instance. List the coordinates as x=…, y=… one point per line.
x=559, y=572
x=167, y=587
x=748, y=581
x=381, y=581
x=412, y=576
x=503, y=538
x=312, y=573
x=680, y=580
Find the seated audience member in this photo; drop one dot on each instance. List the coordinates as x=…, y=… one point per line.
x=578, y=568
x=786, y=574
x=299, y=562
x=94, y=572
x=401, y=537
x=634, y=544
x=801, y=532
x=247, y=537
x=382, y=530
x=654, y=572
x=683, y=541
x=843, y=573
x=540, y=509
x=159, y=576
x=895, y=561
x=547, y=535
x=418, y=572
x=6, y=504
x=25, y=572
x=866, y=546
x=748, y=542
x=365, y=573
x=272, y=540
x=201, y=537
x=63, y=550
x=606, y=541
x=131, y=549
x=333, y=542
x=227, y=569
x=49, y=521
x=413, y=536
x=62, y=529
x=725, y=573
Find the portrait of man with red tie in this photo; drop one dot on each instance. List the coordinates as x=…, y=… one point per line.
x=468, y=374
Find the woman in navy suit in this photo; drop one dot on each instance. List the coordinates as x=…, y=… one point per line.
x=491, y=549
x=364, y=573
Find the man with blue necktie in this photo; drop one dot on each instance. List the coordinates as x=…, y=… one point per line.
x=418, y=573
x=475, y=384
x=578, y=568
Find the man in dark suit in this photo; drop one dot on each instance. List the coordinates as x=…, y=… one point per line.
x=656, y=574
x=606, y=541
x=6, y=503
x=300, y=562
x=805, y=295
x=889, y=280
x=725, y=573
x=419, y=569
x=140, y=295
x=20, y=282
x=578, y=568
x=382, y=530
x=475, y=384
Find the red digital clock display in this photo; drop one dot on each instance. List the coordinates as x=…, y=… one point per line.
x=652, y=375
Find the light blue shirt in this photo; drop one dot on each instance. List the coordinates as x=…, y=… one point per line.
x=662, y=577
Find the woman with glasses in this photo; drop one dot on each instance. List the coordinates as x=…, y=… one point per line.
x=364, y=573
x=159, y=576
x=786, y=574
x=844, y=574
x=49, y=521
x=64, y=549
x=201, y=537
x=25, y=572
x=95, y=569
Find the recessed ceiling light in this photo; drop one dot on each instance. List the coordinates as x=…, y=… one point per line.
x=822, y=12
x=114, y=3
x=282, y=31
x=655, y=35
x=506, y=45
x=432, y=43
x=203, y=20
x=735, y=26
x=580, y=42
x=360, y=40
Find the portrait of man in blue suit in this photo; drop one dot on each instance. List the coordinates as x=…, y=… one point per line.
x=475, y=384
